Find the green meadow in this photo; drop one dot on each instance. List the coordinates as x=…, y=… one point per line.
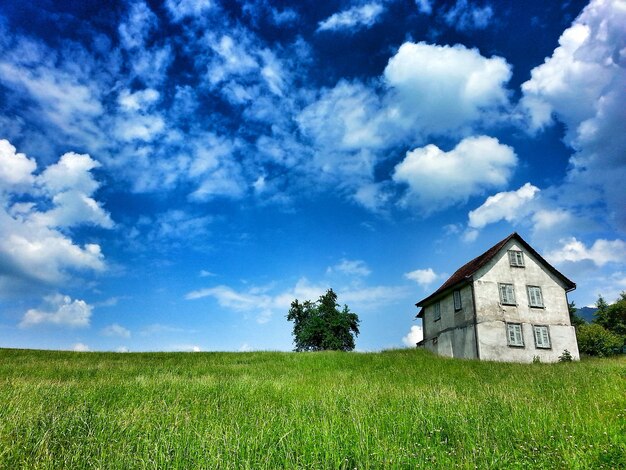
x=269, y=410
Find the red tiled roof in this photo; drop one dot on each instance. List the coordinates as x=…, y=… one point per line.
x=467, y=270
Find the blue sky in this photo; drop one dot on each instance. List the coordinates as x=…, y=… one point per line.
x=173, y=174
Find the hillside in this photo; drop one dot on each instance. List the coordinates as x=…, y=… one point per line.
x=395, y=409
x=587, y=313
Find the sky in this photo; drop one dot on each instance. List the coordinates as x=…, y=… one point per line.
x=174, y=174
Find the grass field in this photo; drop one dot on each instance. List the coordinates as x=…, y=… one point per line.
x=395, y=409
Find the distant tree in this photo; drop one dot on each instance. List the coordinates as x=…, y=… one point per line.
x=574, y=319
x=321, y=325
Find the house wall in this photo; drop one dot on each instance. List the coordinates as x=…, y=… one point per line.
x=453, y=334
x=492, y=315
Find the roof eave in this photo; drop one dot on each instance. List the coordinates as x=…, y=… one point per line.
x=443, y=293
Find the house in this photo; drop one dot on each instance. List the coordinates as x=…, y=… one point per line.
x=508, y=304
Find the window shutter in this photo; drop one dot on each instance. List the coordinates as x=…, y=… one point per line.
x=538, y=340
x=457, y=300
x=534, y=296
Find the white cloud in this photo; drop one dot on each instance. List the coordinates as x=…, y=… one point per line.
x=122, y=349
x=424, y=277
x=15, y=168
x=138, y=100
x=116, y=330
x=245, y=347
x=414, y=336
x=440, y=89
x=600, y=253
x=425, y=90
x=466, y=16
x=61, y=311
x=583, y=85
x=63, y=101
x=33, y=244
x=508, y=205
x=547, y=219
x=80, y=347
x=363, y=16
x=351, y=268
x=72, y=171
x=438, y=179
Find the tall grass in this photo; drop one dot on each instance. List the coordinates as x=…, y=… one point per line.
x=395, y=409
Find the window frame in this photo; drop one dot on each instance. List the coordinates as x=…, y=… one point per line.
x=504, y=300
x=530, y=297
x=511, y=327
x=456, y=294
x=516, y=258
x=542, y=328
x=437, y=311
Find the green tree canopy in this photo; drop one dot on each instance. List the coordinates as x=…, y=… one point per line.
x=612, y=317
x=322, y=325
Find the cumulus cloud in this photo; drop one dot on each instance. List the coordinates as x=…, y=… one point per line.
x=363, y=16
x=34, y=241
x=466, y=16
x=600, y=253
x=116, y=330
x=583, y=85
x=508, y=205
x=80, y=347
x=439, y=89
x=424, y=277
x=16, y=169
x=426, y=90
x=414, y=336
x=61, y=310
x=438, y=179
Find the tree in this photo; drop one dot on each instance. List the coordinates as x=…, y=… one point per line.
x=612, y=317
x=321, y=325
x=574, y=319
x=595, y=340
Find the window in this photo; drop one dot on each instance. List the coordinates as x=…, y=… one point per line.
x=542, y=336
x=457, y=300
x=437, y=308
x=514, y=334
x=516, y=258
x=507, y=294
x=535, y=299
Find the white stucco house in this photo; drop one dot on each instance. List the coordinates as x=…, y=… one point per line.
x=508, y=304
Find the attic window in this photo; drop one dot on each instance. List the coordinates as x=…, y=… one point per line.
x=516, y=258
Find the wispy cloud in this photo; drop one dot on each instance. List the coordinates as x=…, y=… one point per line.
x=363, y=16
